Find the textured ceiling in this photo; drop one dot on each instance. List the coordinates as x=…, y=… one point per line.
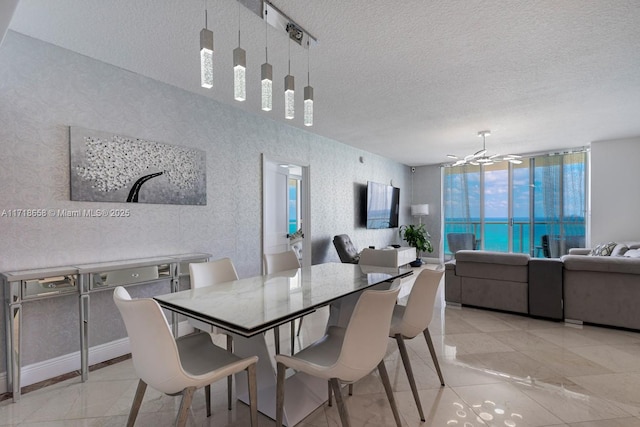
x=411, y=80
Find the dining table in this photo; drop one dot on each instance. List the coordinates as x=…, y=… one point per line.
x=247, y=308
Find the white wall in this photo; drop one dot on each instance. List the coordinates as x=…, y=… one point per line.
x=45, y=89
x=615, y=190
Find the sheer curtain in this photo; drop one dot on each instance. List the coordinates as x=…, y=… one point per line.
x=557, y=204
x=560, y=185
x=461, y=200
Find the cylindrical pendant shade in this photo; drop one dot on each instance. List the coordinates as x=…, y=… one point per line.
x=289, y=93
x=239, y=74
x=206, y=58
x=267, y=86
x=308, y=106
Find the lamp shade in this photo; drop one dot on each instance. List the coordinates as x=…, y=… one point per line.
x=420, y=210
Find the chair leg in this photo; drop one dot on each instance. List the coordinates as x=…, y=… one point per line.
x=427, y=336
x=230, y=377
x=207, y=398
x=299, y=326
x=137, y=402
x=351, y=389
x=253, y=394
x=407, y=367
x=330, y=400
x=293, y=336
x=342, y=408
x=185, y=404
x=384, y=376
x=276, y=338
x=280, y=394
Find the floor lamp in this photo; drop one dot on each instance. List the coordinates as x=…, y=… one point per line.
x=420, y=211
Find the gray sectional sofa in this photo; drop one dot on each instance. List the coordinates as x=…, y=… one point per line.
x=505, y=281
x=602, y=290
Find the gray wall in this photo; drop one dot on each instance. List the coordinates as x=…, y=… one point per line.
x=427, y=188
x=615, y=194
x=45, y=89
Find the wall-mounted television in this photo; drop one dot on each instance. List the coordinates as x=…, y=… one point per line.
x=383, y=205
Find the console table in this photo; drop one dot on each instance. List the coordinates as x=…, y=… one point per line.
x=23, y=286
x=388, y=257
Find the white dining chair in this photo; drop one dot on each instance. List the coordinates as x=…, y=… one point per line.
x=345, y=355
x=208, y=274
x=413, y=319
x=275, y=263
x=176, y=366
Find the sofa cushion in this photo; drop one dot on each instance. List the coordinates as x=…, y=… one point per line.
x=623, y=264
x=489, y=257
x=493, y=265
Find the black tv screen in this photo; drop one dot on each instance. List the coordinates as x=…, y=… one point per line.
x=383, y=205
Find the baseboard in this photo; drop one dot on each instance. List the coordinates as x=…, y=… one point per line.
x=51, y=368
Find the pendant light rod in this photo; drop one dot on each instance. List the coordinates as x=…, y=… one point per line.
x=266, y=75
x=308, y=96
x=206, y=53
x=239, y=68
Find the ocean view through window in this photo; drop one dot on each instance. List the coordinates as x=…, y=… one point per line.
x=511, y=207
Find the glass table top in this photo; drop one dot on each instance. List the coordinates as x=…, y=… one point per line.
x=253, y=305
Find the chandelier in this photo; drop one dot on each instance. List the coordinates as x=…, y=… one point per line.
x=482, y=157
x=273, y=17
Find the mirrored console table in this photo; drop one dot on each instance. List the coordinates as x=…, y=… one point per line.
x=23, y=286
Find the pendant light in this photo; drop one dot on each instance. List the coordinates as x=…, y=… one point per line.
x=206, y=54
x=308, y=96
x=267, y=72
x=289, y=91
x=239, y=68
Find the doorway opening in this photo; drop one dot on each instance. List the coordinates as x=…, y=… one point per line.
x=285, y=207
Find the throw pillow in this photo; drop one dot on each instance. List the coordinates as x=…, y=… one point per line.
x=596, y=250
x=632, y=253
x=603, y=249
x=607, y=248
x=620, y=249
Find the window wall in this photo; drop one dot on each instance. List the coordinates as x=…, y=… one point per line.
x=510, y=207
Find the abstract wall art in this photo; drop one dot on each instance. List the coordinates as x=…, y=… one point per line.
x=106, y=167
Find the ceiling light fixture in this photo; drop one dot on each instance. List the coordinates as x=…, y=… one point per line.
x=480, y=157
x=308, y=97
x=267, y=72
x=239, y=68
x=206, y=54
x=289, y=92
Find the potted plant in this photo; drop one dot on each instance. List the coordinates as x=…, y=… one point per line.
x=418, y=237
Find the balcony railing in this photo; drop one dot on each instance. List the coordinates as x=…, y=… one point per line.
x=563, y=235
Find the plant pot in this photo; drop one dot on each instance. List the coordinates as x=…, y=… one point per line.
x=416, y=263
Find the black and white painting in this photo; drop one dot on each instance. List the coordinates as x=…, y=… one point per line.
x=106, y=167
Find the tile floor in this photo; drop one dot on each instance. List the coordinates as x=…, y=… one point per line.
x=500, y=370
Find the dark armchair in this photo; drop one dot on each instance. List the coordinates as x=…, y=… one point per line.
x=346, y=249
x=461, y=241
